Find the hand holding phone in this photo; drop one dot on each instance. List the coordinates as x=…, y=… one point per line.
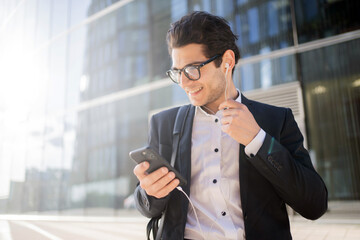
x=155, y=160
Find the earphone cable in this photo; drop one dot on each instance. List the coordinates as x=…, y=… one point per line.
x=192, y=205
x=226, y=83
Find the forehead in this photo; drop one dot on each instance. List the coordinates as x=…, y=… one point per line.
x=188, y=54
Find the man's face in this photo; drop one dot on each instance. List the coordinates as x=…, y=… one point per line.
x=209, y=89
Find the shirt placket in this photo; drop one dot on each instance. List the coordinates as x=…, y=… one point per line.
x=220, y=209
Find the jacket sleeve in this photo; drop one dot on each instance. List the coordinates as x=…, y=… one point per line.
x=287, y=165
x=147, y=205
x=150, y=206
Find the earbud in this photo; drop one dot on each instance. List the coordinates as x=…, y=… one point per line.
x=227, y=65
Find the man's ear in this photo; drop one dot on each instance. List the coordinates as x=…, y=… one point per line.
x=228, y=60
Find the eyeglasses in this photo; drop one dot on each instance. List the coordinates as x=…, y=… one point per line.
x=192, y=72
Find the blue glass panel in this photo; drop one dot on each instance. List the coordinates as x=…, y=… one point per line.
x=253, y=16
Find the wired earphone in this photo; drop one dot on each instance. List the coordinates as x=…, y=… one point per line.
x=227, y=66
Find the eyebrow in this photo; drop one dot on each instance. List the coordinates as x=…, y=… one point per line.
x=189, y=64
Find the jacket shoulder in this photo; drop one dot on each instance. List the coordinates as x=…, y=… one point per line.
x=167, y=115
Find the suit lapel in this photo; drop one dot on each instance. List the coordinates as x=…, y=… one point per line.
x=244, y=165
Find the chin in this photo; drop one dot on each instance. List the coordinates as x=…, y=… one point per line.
x=196, y=103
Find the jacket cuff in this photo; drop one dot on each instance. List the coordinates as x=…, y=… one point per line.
x=147, y=205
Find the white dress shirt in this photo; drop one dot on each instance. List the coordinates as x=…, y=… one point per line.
x=215, y=187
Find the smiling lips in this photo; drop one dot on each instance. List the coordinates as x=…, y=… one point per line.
x=195, y=91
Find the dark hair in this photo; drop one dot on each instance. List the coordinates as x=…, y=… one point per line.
x=203, y=28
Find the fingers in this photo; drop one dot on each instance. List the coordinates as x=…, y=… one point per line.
x=163, y=192
x=225, y=128
x=226, y=120
x=158, y=183
x=140, y=170
x=154, y=177
x=226, y=123
x=231, y=112
x=238, y=122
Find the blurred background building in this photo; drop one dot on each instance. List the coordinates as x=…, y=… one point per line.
x=79, y=80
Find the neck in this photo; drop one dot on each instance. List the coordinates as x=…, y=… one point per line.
x=234, y=94
x=213, y=107
x=208, y=110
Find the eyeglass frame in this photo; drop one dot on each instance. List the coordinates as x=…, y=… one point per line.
x=196, y=66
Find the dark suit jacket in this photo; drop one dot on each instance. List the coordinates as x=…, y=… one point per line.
x=281, y=172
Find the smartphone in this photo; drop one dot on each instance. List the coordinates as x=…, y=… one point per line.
x=155, y=160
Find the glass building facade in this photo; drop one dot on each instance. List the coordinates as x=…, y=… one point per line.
x=79, y=80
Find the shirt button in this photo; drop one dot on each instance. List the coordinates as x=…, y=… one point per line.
x=214, y=181
x=216, y=120
x=216, y=150
x=223, y=213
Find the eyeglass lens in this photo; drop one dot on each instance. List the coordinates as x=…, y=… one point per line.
x=191, y=73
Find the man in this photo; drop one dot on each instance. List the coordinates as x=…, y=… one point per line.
x=243, y=160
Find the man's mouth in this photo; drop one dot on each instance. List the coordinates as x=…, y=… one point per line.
x=194, y=91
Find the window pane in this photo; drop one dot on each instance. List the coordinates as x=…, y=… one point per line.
x=320, y=19
x=263, y=24
x=266, y=73
x=332, y=95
